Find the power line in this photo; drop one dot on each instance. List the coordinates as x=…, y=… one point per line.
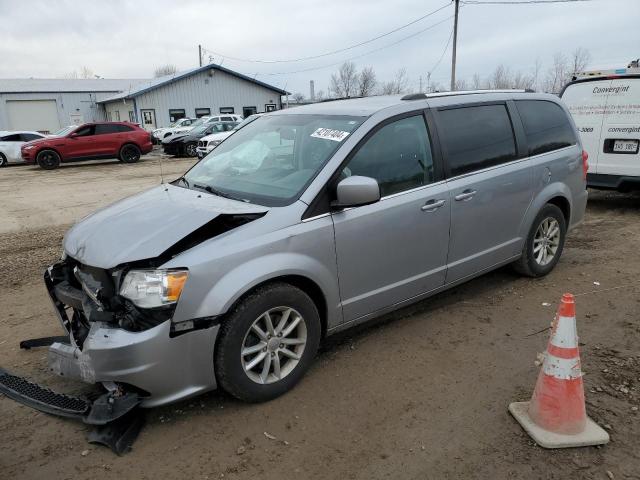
x=326, y=54
x=513, y=2
x=358, y=56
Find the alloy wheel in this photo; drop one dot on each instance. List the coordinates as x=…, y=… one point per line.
x=273, y=345
x=191, y=150
x=129, y=154
x=546, y=241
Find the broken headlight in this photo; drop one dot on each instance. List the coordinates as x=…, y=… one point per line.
x=153, y=288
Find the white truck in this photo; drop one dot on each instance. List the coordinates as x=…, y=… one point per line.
x=605, y=106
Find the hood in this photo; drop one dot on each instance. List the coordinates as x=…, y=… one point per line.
x=41, y=141
x=217, y=136
x=146, y=225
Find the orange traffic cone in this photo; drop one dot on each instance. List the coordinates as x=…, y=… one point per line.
x=556, y=417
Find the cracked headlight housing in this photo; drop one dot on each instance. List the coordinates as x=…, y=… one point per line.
x=153, y=288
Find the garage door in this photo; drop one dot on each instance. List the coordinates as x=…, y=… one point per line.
x=38, y=115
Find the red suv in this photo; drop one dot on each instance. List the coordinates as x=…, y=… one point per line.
x=91, y=141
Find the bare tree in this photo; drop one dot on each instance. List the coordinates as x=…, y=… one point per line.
x=580, y=58
x=476, y=82
x=501, y=77
x=86, y=72
x=164, y=70
x=344, y=82
x=397, y=85
x=461, y=84
x=320, y=95
x=522, y=81
x=366, y=82
x=556, y=74
x=298, y=97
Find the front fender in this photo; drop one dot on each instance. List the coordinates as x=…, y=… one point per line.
x=243, y=278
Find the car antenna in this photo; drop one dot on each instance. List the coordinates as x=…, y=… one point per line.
x=162, y=173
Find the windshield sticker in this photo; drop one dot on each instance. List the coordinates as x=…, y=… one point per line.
x=329, y=134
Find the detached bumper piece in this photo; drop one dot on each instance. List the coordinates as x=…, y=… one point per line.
x=116, y=415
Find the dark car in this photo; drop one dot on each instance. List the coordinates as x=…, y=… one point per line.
x=187, y=144
x=91, y=141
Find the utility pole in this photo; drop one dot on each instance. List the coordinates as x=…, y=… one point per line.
x=420, y=90
x=200, y=54
x=455, y=43
x=428, y=82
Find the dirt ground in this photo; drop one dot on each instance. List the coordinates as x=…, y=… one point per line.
x=420, y=394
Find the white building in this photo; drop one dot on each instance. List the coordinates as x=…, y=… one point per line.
x=46, y=105
x=207, y=90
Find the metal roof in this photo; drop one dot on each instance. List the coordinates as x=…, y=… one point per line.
x=148, y=85
x=54, y=85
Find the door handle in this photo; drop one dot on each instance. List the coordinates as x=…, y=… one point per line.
x=432, y=205
x=466, y=195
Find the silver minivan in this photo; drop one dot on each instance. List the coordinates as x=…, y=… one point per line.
x=306, y=222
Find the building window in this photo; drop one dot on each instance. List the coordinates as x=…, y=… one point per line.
x=270, y=107
x=176, y=114
x=132, y=116
x=227, y=110
x=248, y=111
x=202, y=112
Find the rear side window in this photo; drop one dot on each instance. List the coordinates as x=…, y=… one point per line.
x=124, y=128
x=546, y=126
x=27, y=137
x=12, y=138
x=476, y=137
x=105, y=128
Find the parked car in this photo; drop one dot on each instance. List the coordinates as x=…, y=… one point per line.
x=171, y=133
x=606, y=109
x=228, y=276
x=10, y=143
x=209, y=142
x=91, y=141
x=187, y=143
x=158, y=134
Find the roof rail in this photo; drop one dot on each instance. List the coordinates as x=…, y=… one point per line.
x=414, y=96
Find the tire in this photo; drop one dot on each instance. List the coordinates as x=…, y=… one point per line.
x=190, y=149
x=129, y=153
x=234, y=371
x=3, y=160
x=538, y=263
x=48, y=159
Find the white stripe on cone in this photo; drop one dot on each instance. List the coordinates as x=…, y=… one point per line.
x=566, y=333
x=561, y=368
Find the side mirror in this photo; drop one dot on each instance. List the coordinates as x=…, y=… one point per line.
x=355, y=191
x=73, y=135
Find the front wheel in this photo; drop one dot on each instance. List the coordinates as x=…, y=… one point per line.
x=544, y=244
x=267, y=343
x=191, y=149
x=3, y=160
x=48, y=159
x=129, y=154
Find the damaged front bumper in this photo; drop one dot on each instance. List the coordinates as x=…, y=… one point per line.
x=161, y=364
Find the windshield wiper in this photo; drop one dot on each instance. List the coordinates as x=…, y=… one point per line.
x=185, y=181
x=213, y=191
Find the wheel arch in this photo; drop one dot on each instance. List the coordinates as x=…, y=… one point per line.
x=304, y=283
x=557, y=194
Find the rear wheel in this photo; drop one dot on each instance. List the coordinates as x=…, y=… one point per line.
x=544, y=244
x=129, y=154
x=191, y=149
x=3, y=160
x=48, y=159
x=267, y=343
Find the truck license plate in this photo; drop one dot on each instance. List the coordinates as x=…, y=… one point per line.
x=625, y=146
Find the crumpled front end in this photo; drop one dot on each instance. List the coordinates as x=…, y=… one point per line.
x=112, y=340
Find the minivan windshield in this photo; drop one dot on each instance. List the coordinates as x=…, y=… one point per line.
x=272, y=159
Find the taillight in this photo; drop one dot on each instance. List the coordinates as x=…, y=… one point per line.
x=585, y=164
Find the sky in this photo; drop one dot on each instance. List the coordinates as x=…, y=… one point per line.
x=129, y=39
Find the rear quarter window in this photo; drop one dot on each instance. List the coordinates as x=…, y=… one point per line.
x=476, y=137
x=546, y=126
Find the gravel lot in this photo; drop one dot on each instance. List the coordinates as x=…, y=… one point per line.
x=422, y=393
